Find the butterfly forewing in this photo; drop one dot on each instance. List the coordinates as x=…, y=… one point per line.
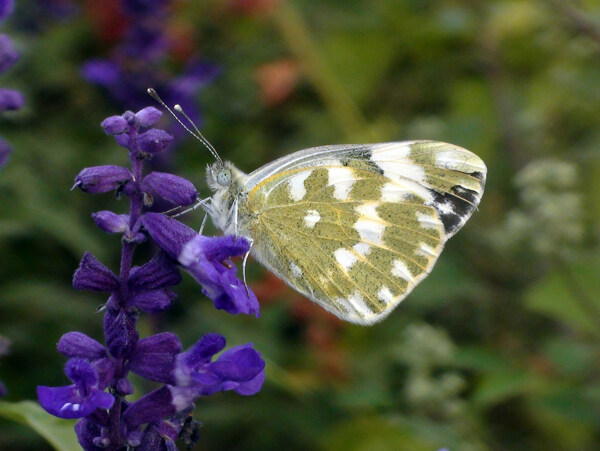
x=355, y=228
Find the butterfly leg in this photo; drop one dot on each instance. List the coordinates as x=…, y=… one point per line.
x=244, y=265
x=203, y=224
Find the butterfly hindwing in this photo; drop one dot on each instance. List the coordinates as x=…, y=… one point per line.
x=355, y=228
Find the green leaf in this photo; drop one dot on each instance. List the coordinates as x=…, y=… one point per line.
x=569, y=295
x=496, y=387
x=58, y=432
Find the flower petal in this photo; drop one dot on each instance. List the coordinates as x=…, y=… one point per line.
x=154, y=357
x=252, y=386
x=78, y=344
x=160, y=272
x=169, y=187
x=8, y=53
x=101, y=179
x=238, y=364
x=168, y=233
x=154, y=141
x=94, y=276
x=150, y=408
x=154, y=301
x=111, y=222
x=198, y=355
x=6, y=8
x=11, y=100
x=114, y=125
x=66, y=402
x=148, y=116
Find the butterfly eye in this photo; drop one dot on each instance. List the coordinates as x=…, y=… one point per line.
x=224, y=177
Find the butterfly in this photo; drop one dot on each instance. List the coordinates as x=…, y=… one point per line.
x=353, y=228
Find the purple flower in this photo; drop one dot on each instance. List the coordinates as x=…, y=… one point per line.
x=3, y=390
x=8, y=55
x=138, y=62
x=94, y=276
x=101, y=179
x=240, y=369
x=154, y=357
x=168, y=233
x=154, y=141
x=207, y=260
x=9, y=99
x=114, y=125
x=77, y=344
x=78, y=400
x=160, y=272
x=146, y=117
x=6, y=8
x=186, y=376
x=111, y=222
x=169, y=187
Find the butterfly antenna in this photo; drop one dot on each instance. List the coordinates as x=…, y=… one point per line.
x=205, y=141
x=198, y=136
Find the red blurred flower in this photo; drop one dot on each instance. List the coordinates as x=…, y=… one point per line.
x=277, y=80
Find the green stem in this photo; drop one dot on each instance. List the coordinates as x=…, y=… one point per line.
x=294, y=31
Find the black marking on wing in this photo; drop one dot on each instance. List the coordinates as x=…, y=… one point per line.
x=454, y=208
x=478, y=175
x=362, y=154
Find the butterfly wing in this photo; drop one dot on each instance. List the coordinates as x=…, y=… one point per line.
x=355, y=228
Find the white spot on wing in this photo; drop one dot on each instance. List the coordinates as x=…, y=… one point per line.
x=296, y=270
x=426, y=251
x=459, y=160
x=391, y=192
x=345, y=258
x=358, y=303
x=428, y=221
x=296, y=185
x=401, y=270
x=362, y=249
x=385, y=295
x=445, y=208
x=395, y=162
x=390, y=152
x=368, y=209
x=342, y=179
x=311, y=218
x=369, y=225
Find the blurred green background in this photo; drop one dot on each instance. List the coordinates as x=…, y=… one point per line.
x=497, y=350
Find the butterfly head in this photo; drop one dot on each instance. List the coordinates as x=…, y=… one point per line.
x=219, y=175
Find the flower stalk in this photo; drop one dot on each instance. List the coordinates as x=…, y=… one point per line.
x=98, y=395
